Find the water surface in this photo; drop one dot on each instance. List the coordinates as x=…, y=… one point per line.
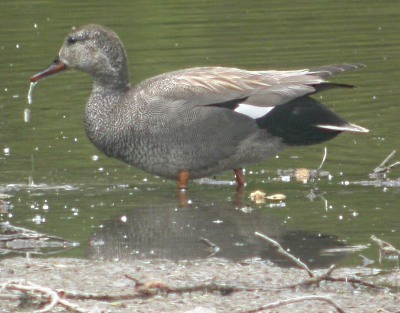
x=63, y=186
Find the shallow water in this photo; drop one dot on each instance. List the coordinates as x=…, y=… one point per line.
x=63, y=186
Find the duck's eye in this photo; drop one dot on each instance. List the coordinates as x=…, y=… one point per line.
x=71, y=40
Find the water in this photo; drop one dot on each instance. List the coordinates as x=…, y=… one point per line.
x=63, y=186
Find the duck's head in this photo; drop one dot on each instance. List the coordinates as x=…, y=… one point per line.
x=95, y=50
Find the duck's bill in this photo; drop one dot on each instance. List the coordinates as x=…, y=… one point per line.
x=56, y=67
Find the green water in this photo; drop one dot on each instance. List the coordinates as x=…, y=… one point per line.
x=83, y=198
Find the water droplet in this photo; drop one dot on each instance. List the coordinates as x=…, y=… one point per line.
x=32, y=85
x=27, y=115
x=45, y=206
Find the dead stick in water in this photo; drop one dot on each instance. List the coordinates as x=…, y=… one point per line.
x=282, y=251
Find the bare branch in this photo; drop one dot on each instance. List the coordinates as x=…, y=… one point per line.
x=44, y=291
x=282, y=251
x=387, y=159
x=383, y=168
x=295, y=300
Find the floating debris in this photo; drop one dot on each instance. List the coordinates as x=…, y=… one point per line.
x=260, y=197
x=22, y=240
x=302, y=174
x=276, y=197
x=379, y=176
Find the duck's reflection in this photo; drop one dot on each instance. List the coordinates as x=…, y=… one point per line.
x=176, y=234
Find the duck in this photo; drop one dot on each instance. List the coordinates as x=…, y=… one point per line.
x=197, y=122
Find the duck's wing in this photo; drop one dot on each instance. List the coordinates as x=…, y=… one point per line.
x=227, y=87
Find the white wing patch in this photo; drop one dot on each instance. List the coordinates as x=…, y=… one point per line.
x=252, y=110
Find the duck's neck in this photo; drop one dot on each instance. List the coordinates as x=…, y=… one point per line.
x=103, y=114
x=111, y=83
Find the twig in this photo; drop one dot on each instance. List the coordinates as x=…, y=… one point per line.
x=146, y=290
x=44, y=291
x=215, y=249
x=282, y=251
x=327, y=277
x=383, y=168
x=353, y=281
x=295, y=300
x=387, y=159
x=314, y=279
x=385, y=248
x=323, y=159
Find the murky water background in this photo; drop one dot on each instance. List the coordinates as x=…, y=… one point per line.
x=63, y=186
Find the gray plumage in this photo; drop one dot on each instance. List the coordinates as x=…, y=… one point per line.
x=203, y=120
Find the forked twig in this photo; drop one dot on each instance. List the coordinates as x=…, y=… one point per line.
x=47, y=292
x=314, y=278
x=383, y=168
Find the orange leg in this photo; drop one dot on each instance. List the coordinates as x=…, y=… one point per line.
x=239, y=177
x=183, y=180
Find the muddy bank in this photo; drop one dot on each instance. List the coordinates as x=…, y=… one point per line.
x=262, y=283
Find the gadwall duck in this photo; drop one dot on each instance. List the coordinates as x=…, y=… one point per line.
x=199, y=121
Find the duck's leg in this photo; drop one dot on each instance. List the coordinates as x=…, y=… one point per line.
x=240, y=181
x=183, y=180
